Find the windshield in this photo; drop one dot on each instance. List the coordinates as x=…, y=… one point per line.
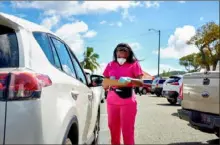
x=147, y=81
x=173, y=79
x=161, y=81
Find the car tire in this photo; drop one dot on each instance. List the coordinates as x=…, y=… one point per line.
x=158, y=94
x=172, y=102
x=68, y=142
x=144, y=91
x=97, y=129
x=217, y=134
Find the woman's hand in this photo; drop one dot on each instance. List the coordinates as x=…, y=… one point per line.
x=124, y=80
x=131, y=81
x=139, y=81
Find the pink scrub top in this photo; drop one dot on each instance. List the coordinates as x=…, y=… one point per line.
x=113, y=69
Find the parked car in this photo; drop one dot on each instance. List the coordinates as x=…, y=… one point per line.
x=200, y=104
x=45, y=97
x=99, y=90
x=146, y=88
x=157, y=86
x=171, y=88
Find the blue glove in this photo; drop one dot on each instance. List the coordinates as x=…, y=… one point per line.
x=124, y=80
x=112, y=77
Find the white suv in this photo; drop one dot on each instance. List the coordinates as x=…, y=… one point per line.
x=171, y=88
x=44, y=94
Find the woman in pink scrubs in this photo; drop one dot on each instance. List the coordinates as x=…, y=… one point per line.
x=121, y=102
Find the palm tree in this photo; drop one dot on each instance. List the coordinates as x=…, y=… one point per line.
x=90, y=59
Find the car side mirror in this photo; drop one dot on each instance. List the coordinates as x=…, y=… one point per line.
x=96, y=80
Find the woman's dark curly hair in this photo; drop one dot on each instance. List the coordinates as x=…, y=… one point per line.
x=131, y=57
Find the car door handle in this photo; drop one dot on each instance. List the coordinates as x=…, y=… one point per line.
x=90, y=97
x=74, y=94
x=205, y=94
x=206, y=81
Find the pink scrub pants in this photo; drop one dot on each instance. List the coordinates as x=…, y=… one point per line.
x=122, y=118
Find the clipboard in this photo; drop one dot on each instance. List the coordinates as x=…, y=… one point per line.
x=111, y=82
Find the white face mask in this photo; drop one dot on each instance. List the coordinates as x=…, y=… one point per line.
x=121, y=61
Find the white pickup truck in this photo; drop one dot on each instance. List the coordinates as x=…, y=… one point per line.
x=200, y=104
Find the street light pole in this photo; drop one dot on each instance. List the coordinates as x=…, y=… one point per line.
x=158, y=69
x=158, y=72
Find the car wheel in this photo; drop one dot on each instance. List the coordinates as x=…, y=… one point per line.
x=96, y=130
x=68, y=142
x=144, y=91
x=158, y=94
x=172, y=102
x=217, y=134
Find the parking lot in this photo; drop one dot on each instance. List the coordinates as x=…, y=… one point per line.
x=158, y=123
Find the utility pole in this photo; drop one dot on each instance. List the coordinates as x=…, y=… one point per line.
x=158, y=67
x=158, y=73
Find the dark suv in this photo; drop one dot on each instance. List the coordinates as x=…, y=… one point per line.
x=157, y=86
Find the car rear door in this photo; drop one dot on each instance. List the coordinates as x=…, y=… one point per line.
x=9, y=59
x=84, y=102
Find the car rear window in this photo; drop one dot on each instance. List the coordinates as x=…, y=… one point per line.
x=9, y=53
x=147, y=81
x=173, y=79
x=43, y=40
x=161, y=81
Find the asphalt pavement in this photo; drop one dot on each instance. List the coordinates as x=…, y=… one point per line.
x=157, y=122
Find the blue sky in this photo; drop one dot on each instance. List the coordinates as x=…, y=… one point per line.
x=103, y=25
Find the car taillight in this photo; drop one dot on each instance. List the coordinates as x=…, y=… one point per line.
x=26, y=85
x=175, y=83
x=3, y=81
x=181, y=92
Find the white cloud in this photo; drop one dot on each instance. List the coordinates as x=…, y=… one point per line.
x=111, y=24
x=90, y=34
x=119, y=24
x=50, y=22
x=135, y=46
x=201, y=18
x=177, y=46
x=68, y=8
x=126, y=16
x=154, y=4
x=166, y=67
x=71, y=33
x=103, y=22
x=182, y=2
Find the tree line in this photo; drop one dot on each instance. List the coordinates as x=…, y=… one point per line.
x=207, y=41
